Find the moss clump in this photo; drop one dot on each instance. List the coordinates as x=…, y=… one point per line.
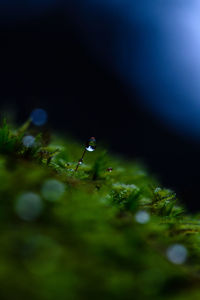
x=90, y=234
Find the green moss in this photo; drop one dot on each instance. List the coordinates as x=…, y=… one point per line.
x=85, y=241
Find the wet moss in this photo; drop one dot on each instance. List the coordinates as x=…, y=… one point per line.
x=86, y=241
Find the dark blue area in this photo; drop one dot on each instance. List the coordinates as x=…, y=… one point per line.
x=39, y=117
x=152, y=45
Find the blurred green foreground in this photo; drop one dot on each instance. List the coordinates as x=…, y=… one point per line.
x=107, y=231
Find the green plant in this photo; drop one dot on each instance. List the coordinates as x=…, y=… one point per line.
x=90, y=234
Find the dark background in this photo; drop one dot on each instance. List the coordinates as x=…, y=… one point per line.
x=44, y=63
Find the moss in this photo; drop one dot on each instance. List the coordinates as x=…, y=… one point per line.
x=85, y=240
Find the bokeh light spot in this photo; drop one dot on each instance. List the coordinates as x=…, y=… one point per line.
x=28, y=141
x=29, y=206
x=52, y=189
x=39, y=116
x=142, y=217
x=177, y=254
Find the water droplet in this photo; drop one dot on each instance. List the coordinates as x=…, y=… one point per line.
x=52, y=189
x=177, y=254
x=91, y=144
x=28, y=141
x=39, y=116
x=80, y=162
x=142, y=217
x=29, y=206
x=109, y=169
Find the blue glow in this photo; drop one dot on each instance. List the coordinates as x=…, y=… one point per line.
x=39, y=117
x=152, y=45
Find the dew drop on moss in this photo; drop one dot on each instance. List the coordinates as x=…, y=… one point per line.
x=91, y=144
x=80, y=162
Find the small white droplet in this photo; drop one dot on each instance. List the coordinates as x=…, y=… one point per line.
x=39, y=116
x=91, y=144
x=28, y=141
x=52, y=189
x=29, y=206
x=90, y=149
x=142, y=217
x=177, y=254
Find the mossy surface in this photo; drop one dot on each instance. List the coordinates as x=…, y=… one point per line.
x=84, y=241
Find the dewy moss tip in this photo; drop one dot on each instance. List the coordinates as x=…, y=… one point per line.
x=89, y=146
x=107, y=234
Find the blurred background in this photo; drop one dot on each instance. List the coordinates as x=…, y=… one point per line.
x=125, y=71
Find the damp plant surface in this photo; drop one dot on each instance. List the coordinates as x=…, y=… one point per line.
x=95, y=227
